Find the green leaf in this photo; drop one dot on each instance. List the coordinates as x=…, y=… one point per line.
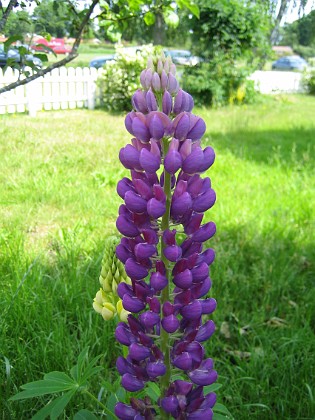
x=171, y=19
x=46, y=48
x=217, y=416
x=220, y=408
x=84, y=415
x=7, y=367
x=10, y=41
x=54, y=408
x=45, y=411
x=149, y=18
x=61, y=403
x=211, y=388
x=153, y=391
x=42, y=57
x=54, y=382
x=60, y=377
x=191, y=6
x=111, y=402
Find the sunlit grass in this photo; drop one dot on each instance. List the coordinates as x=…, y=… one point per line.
x=58, y=173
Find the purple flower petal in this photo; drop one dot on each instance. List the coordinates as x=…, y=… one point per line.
x=125, y=412
x=170, y=323
x=139, y=352
x=181, y=126
x=126, y=227
x=158, y=281
x=183, y=279
x=203, y=377
x=191, y=164
x=143, y=189
x=123, y=253
x=198, y=130
x=135, y=270
x=192, y=311
x=140, y=130
x=181, y=205
x=173, y=253
x=139, y=101
x=151, y=101
x=149, y=319
x=167, y=102
x=143, y=251
x=204, y=233
x=169, y=404
x=135, y=202
x=133, y=304
x=155, y=369
x=183, y=361
x=204, y=201
x=155, y=208
x=173, y=161
x=205, y=331
x=149, y=162
x=208, y=305
x=156, y=82
x=131, y=383
x=129, y=157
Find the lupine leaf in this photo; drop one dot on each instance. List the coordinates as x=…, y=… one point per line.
x=59, y=377
x=217, y=416
x=111, y=402
x=220, y=408
x=84, y=415
x=61, y=403
x=211, y=388
x=153, y=391
x=54, y=408
x=38, y=388
x=45, y=411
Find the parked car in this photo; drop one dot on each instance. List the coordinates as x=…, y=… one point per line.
x=13, y=56
x=183, y=57
x=292, y=62
x=99, y=62
x=56, y=44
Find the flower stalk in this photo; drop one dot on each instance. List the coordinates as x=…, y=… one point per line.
x=169, y=310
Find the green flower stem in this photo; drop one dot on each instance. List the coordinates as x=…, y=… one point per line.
x=165, y=341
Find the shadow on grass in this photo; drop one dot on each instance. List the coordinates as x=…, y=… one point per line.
x=292, y=146
x=263, y=287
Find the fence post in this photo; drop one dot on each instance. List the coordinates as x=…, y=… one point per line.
x=30, y=100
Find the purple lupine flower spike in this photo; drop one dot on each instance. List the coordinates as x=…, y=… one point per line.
x=168, y=267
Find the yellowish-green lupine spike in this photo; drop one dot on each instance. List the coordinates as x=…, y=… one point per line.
x=122, y=313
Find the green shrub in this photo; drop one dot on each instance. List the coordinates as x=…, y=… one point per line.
x=120, y=78
x=219, y=83
x=309, y=82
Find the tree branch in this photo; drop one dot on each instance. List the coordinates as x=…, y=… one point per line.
x=6, y=14
x=73, y=54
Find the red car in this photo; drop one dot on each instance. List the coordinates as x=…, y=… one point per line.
x=56, y=44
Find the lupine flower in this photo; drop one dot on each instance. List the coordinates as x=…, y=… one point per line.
x=169, y=310
x=106, y=301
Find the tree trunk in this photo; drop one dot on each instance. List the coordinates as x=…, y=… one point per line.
x=159, y=29
x=275, y=30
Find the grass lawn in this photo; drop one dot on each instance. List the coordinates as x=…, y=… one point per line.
x=58, y=173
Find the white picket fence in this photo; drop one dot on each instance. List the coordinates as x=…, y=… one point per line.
x=62, y=88
x=68, y=88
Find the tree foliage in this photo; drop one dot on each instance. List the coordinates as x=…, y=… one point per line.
x=114, y=17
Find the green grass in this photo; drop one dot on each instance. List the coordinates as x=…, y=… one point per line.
x=58, y=173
